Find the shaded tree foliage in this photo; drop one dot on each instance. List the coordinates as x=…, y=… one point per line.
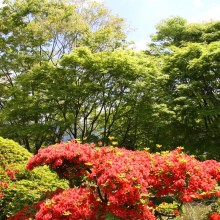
x=66, y=70
x=190, y=57
x=34, y=37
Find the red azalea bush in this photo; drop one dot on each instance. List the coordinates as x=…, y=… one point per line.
x=74, y=203
x=121, y=182
x=183, y=176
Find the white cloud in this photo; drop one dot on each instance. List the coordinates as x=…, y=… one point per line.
x=1, y=3
x=139, y=45
x=198, y=3
x=99, y=1
x=210, y=14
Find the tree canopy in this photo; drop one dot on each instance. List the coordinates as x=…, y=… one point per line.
x=67, y=72
x=190, y=58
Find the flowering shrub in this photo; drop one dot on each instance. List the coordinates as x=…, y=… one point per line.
x=122, y=182
x=74, y=203
x=183, y=176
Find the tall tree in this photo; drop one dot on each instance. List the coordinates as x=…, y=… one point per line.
x=190, y=58
x=34, y=36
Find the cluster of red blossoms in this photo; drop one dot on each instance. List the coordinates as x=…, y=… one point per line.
x=214, y=216
x=120, y=182
x=2, y=186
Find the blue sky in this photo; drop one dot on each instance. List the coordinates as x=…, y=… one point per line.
x=144, y=15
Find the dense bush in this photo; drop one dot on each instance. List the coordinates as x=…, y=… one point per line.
x=18, y=186
x=122, y=183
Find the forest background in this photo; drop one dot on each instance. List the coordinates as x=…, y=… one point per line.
x=67, y=71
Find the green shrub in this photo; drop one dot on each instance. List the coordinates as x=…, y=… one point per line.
x=24, y=187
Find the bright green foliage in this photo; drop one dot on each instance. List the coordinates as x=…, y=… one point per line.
x=175, y=31
x=65, y=70
x=107, y=88
x=190, y=59
x=34, y=36
x=194, y=79
x=91, y=96
x=24, y=187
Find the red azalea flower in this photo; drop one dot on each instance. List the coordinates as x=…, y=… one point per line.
x=11, y=174
x=175, y=212
x=214, y=216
